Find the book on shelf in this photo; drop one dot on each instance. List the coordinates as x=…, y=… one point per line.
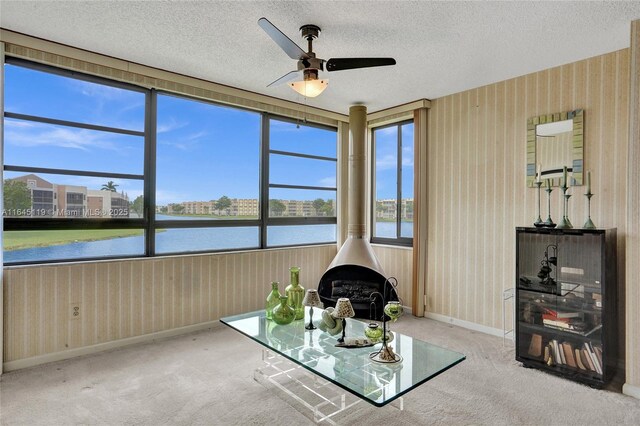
x=535, y=347
x=568, y=354
x=581, y=366
x=560, y=313
x=593, y=357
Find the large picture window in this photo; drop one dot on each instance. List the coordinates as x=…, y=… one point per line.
x=392, y=215
x=300, y=168
x=74, y=156
x=96, y=169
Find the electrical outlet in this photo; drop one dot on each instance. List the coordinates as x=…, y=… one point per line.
x=74, y=310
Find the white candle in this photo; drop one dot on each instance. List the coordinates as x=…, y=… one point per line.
x=588, y=181
x=564, y=177
x=538, y=173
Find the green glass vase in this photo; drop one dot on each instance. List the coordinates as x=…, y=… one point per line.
x=283, y=313
x=273, y=299
x=373, y=332
x=295, y=292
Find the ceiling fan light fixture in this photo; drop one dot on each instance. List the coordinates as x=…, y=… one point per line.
x=309, y=88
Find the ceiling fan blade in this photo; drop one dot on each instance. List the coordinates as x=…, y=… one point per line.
x=339, y=64
x=290, y=48
x=291, y=76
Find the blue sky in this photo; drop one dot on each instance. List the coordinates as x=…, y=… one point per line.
x=204, y=151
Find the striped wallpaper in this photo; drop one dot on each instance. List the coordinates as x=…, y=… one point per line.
x=129, y=298
x=122, y=299
x=477, y=181
x=632, y=385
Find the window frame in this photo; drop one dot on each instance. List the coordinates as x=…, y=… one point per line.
x=67, y=223
x=398, y=240
x=148, y=223
x=266, y=184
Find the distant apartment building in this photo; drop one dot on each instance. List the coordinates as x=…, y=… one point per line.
x=72, y=200
x=386, y=208
x=53, y=200
x=298, y=208
x=44, y=198
x=103, y=203
x=238, y=207
x=244, y=207
x=198, y=207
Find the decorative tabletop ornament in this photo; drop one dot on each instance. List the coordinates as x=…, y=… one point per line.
x=273, y=299
x=565, y=223
x=538, y=183
x=295, y=292
x=311, y=299
x=329, y=323
x=589, y=223
x=393, y=310
x=549, y=223
x=283, y=314
x=343, y=310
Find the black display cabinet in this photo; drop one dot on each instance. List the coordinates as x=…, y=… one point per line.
x=566, y=302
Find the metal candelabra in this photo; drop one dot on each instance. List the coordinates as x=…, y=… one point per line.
x=589, y=223
x=538, y=221
x=549, y=223
x=565, y=223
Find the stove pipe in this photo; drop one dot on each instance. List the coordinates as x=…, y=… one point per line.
x=355, y=269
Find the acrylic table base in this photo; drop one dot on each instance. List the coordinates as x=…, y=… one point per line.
x=325, y=400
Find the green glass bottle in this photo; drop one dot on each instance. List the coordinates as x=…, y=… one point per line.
x=283, y=313
x=295, y=292
x=273, y=299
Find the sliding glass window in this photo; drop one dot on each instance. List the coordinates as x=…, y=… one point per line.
x=208, y=177
x=300, y=168
x=393, y=184
x=74, y=159
x=98, y=169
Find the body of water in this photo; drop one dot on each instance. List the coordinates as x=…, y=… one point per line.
x=191, y=240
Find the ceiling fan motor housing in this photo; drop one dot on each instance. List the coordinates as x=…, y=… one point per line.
x=310, y=31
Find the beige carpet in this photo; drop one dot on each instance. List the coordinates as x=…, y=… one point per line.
x=206, y=378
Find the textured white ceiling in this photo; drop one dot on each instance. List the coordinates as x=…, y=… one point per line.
x=440, y=47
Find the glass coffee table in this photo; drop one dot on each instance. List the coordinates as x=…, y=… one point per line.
x=308, y=366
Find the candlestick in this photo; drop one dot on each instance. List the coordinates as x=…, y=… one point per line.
x=549, y=223
x=538, y=221
x=589, y=223
x=565, y=223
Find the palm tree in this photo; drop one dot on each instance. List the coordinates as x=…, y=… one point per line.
x=109, y=186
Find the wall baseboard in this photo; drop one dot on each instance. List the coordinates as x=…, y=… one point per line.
x=631, y=390
x=101, y=347
x=465, y=324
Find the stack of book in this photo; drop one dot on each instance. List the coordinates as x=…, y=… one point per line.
x=585, y=358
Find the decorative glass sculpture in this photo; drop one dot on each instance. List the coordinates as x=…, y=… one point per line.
x=273, y=299
x=393, y=309
x=295, y=292
x=373, y=332
x=283, y=313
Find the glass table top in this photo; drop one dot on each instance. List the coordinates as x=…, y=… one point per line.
x=349, y=368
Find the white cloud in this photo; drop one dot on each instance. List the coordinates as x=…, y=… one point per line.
x=386, y=162
x=33, y=135
x=185, y=143
x=170, y=124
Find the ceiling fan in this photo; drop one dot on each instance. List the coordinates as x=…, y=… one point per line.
x=305, y=80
